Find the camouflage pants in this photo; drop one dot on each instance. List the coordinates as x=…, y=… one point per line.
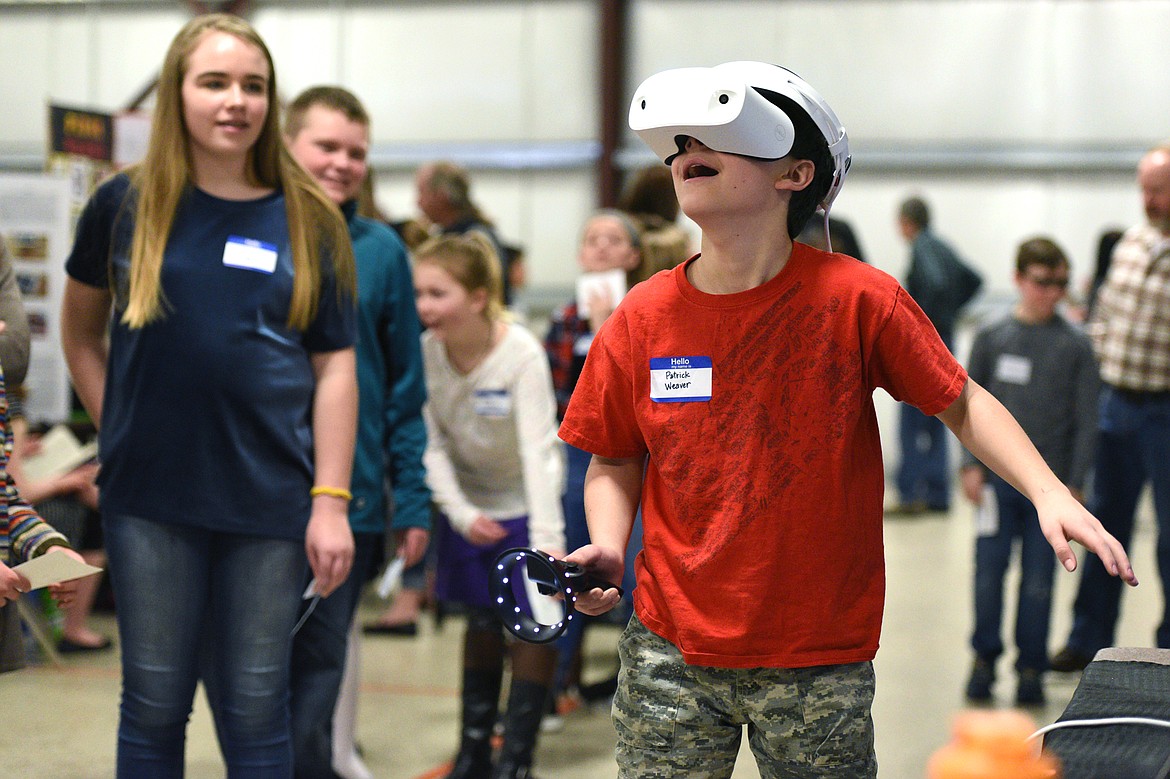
x=678, y=720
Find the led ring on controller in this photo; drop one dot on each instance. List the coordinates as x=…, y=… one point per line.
x=551, y=576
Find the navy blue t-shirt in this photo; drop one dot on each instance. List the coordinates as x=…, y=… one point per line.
x=206, y=418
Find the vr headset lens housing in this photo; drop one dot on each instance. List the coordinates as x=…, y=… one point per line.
x=724, y=108
x=716, y=108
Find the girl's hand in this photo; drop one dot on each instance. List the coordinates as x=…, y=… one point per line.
x=65, y=592
x=329, y=543
x=485, y=531
x=412, y=544
x=79, y=479
x=12, y=585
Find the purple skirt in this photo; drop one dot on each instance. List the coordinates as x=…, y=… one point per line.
x=463, y=568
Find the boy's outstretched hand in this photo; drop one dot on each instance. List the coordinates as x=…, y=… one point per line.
x=605, y=564
x=1063, y=519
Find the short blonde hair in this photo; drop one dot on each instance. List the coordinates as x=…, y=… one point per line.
x=471, y=260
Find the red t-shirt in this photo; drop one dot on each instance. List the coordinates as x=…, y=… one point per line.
x=762, y=505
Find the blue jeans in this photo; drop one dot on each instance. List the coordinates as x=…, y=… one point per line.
x=1017, y=519
x=191, y=604
x=318, y=663
x=1133, y=448
x=924, y=473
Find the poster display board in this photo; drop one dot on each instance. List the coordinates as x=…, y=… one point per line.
x=36, y=224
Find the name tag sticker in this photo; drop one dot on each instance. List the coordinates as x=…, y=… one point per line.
x=680, y=379
x=249, y=254
x=1013, y=369
x=493, y=402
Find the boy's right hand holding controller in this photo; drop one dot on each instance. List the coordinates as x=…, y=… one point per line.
x=602, y=563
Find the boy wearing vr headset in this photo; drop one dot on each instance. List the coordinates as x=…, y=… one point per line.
x=732, y=398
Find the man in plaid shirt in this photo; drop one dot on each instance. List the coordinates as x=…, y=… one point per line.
x=1130, y=329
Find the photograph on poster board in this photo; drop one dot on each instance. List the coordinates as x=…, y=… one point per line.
x=30, y=246
x=32, y=285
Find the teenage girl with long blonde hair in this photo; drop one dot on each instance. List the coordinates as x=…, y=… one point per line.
x=225, y=396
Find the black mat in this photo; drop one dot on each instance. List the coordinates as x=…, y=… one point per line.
x=1116, y=689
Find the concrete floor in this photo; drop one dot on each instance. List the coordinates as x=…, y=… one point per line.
x=409, y=700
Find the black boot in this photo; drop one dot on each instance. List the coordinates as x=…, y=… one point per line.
x=526, y=701
x=481, y=696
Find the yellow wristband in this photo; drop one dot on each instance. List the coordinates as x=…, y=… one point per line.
x=335, y=492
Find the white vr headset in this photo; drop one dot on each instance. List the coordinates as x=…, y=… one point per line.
x=723, y=108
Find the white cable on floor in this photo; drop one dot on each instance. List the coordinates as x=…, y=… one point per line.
x=1087, y=723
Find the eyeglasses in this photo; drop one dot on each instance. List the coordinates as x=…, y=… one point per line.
x=1052, y=282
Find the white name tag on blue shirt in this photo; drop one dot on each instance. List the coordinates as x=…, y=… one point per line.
x=249, y=254
x=1013, y=369
x=493, y=402
x=680, y=379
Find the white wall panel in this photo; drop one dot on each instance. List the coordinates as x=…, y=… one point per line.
x=425, y=71
x=561, y=67
x=45, y=58
x=939, y=70
x=1113, y=67
x=128, y=49
x=304, y=42
x=1075, y=71
x=70, y=77
x=25, y=57
x=470, y=72
x=906, y=70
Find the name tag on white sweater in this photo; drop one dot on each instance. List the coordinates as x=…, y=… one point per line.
x=493, y=402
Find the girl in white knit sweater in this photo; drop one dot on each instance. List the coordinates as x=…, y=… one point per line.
x=496, y=469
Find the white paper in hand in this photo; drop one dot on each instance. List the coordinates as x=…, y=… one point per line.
x=60, y=453
x=608, y=284
x=987, y=514
x=53, y=568
x=391, y=578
